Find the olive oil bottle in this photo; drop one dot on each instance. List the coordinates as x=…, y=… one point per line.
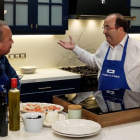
x=14, y=106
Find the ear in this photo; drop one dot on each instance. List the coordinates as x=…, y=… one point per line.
x=121, y=30
x=0, y=45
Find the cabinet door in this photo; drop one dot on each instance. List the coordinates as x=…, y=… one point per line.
x=44, y=91
x=19, y=15
x=134, y=11
x=36, y=97
x=52, y=15
x=1, y=9
x=37, y=16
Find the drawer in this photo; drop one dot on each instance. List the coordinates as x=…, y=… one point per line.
x=52, y=87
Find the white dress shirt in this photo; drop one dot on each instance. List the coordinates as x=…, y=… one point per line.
x=132, y=59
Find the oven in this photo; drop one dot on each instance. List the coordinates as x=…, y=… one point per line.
x=88, y=84
x=88, y=77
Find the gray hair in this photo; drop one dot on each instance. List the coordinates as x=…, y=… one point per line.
x=2, y=23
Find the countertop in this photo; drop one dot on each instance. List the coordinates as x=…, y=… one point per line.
x=51, y=74
x=129, y=131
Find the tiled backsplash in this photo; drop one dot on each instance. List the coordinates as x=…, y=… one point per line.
x=43, y=51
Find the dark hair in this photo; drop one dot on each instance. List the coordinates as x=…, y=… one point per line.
x=2, y=23
x=121, y=22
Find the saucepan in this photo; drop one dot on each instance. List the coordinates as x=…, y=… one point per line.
x=89, y=102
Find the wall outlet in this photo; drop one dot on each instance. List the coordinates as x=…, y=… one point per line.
x=11, y=56
x=23, y=55
x=17, y=56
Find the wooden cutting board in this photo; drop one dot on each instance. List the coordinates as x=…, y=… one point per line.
x=109, y=119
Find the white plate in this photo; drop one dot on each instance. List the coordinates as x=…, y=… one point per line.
x=76, y=127
x=47, y=124
x=39, y=104
x=86, y=135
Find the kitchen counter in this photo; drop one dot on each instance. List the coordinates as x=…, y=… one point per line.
x=52, y=74
x=127, y=131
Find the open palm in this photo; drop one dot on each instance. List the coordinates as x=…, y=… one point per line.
x=67, y=45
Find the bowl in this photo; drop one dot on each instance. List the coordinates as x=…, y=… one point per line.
x=31, y=121
x=28, y=69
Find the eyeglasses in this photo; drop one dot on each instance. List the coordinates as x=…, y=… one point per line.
x=107, y=28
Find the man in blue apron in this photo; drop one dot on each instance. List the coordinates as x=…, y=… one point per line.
x=118, y=60
x=114, y=76
x=6, y=70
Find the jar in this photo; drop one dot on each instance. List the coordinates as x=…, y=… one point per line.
x=74, y=111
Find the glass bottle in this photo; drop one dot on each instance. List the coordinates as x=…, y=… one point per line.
x=14, y=106
x=3, y=115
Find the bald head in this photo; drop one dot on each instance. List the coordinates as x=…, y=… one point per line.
x=2, y=23
x=120, y=21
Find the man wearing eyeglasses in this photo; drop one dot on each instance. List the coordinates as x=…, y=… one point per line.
x=118, y=60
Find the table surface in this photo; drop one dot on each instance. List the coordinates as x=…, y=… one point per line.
x=129, y=131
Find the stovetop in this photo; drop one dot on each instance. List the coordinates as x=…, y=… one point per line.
x=88, y=77
x=83, y=70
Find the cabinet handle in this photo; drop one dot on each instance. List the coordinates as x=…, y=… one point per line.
x=45, y=88
x=36, y=25
x=31, y=25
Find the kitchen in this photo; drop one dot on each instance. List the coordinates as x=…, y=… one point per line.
x=49, y=54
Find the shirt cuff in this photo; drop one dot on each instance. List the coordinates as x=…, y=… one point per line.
x=76, y=49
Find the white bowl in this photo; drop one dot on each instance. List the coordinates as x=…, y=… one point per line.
x=33, y=125
x=27, y=69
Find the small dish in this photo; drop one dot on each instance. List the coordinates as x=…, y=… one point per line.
x=28, y=69
x=61, y=117
x=33, y=121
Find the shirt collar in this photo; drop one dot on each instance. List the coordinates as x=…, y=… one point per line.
x=1, y=57
x=122, y=43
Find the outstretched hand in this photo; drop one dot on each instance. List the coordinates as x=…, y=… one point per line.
x=67, y=45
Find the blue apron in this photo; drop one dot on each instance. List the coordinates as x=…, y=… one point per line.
x=112, y=80
x=3, y=81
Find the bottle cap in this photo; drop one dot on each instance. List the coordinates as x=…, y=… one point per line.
x=13, y=82
x=74, y=107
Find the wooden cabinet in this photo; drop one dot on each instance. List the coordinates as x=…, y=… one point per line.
x=134, y=6
x=44, y=91
x=37, y=16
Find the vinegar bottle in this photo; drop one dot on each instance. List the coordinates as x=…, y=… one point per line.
x=14, y=106
x=3, y=115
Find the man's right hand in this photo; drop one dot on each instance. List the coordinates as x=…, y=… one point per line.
x=67, y=45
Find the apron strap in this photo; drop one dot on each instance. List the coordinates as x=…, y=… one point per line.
x=124, y=50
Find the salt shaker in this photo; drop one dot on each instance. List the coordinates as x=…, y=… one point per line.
x=74, y=111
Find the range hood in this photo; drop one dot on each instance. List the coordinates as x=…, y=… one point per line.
x=98, y=9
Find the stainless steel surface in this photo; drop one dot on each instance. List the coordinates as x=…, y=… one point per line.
x=89, y=103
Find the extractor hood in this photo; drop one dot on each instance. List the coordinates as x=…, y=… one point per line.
x=98, y=9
